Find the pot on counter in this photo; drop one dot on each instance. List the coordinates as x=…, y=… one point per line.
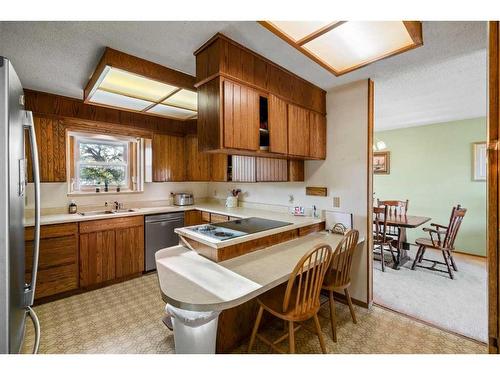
x=183, y=199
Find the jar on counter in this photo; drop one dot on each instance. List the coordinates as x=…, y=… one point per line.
x=72, y=208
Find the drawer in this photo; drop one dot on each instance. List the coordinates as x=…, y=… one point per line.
x=54, y=230
x=110, y=224
x=205, y=216
x=216, y=218
x=54, y=252
x=56, y=280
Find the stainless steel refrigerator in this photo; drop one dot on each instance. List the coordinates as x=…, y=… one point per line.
x=16, y=295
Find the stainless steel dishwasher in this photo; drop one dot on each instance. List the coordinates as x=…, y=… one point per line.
x=160, y=234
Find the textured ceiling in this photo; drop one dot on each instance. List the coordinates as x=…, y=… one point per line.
x=443, y=80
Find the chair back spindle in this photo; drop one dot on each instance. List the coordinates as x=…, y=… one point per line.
x=380, y=225
x=306, y=280
x=456, y=218
x=339, y=274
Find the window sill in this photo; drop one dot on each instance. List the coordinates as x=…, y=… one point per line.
x=81, y=193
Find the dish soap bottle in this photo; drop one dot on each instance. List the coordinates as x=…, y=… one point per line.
x=72, y=207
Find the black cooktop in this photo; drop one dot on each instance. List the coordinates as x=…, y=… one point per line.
x=251, y=224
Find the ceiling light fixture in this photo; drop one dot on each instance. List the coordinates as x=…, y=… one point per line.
x=341, y=46
x=129, y=83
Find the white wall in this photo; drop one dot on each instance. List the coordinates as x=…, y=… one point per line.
x=344, y=172
x=54, y=195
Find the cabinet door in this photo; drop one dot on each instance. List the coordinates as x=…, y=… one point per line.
x=97, y=257
x=197, y=163
x=217, y=218
x=192, y=217
x=51, y=138
x=129, y=251
x=278, y=125
x=243, y=168
x=317, y=135
x=298, y=131
x=169, y=162
x=241, y=117
x=296, y=170
x=218, y=171
x=268, y=169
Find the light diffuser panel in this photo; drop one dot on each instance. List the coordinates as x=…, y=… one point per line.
x=355, y=43
x=297, y=30
x=168, y=111
x=123, y=82
x=183, y=99
x=119, y=101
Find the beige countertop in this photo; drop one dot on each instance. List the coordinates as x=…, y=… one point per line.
x=192, y=282
x=241, y=212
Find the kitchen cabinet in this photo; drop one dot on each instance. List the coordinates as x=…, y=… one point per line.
x=317, y=135
x=278, y=125
x=192, y=217
x=198, y=164
x=205, y=217
x=50, y=137
x=169, y=162
x=58, y=260
x=298, y=131
x=219, y=168
x=110, y=249
x=217, y=218
x=296, y=171
x=241, y=117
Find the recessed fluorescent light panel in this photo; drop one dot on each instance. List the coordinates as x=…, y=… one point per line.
x=342, y=47
x=124, y=90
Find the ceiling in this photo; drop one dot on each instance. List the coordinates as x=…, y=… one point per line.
x=442, y=81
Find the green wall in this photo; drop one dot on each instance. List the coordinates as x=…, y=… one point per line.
x=432, y=167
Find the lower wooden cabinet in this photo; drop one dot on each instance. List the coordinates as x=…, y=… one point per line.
x=192, y=217
x=58, y=261
x=217, y=218
x=110, y=249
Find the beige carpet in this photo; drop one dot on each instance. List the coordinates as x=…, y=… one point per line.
x=458, y=305
x=126, y=318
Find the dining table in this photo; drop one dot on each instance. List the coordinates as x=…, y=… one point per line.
x=402, y=222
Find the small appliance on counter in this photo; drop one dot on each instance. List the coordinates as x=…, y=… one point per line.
x=182, y=199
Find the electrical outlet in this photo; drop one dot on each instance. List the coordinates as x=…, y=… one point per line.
x=336, y=202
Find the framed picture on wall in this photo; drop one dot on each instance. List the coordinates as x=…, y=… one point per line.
x=381, y=162
x=479, y=161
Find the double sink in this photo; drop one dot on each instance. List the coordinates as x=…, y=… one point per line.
x=106, y=212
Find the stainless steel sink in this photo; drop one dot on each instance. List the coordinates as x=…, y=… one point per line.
x=105, y=212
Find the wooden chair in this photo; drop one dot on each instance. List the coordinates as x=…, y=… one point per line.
x=299, y=301
x=445, y=244
x=380, y=237
x=339, y=275
x=394, y=208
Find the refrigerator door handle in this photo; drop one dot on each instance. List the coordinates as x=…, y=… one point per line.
x=30, y=288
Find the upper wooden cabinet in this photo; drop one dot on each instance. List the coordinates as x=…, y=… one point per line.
x=198, y=164
x=317, y=135
x=240, y=117
x=247, y=105
x=298, y=131
x=278, y=125
x=169, y=162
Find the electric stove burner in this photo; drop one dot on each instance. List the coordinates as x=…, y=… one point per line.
x=223, y=234
x=206, y=228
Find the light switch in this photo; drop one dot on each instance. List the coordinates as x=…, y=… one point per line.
x=336, y=202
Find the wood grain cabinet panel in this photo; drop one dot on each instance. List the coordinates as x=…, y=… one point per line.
x=317, y=135
x=50, y=137
x=241, y=117
x=278, y=125
x=97, y=257
x=218, y=170
x=298, y=131
x=197, y=163
x=129, y=251
x=217, y=218
x=192, y=217
x=58, y=261
x=169, y=162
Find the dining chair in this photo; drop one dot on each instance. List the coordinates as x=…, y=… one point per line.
x=338, y=275
x=441, y=238
x=299, y=301
x=394, y=208
x=380, y=237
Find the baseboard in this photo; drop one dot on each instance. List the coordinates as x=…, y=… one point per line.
x=341, y=298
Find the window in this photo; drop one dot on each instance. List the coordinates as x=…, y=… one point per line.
x=104, y=163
